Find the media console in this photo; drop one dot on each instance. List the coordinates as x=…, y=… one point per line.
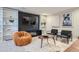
x=34, y=32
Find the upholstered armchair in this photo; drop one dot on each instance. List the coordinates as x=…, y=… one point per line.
x=22, y=38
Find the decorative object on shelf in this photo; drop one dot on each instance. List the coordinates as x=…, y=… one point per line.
x=67, y=19
x=11, y=19
x=43, y=23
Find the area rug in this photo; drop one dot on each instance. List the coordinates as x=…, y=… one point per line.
x=35, y=46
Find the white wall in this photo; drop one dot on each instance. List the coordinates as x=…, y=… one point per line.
x=56, y=21
x=48, y=19
x=75, y=18
x=49, y=23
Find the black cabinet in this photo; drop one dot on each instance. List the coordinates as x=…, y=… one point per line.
x=35, y=32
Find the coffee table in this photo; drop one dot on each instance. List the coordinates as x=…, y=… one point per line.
x=42, y=37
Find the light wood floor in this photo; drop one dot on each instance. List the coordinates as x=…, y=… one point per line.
x=74, y=47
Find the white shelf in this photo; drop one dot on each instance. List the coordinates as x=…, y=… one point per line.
x=7, y=35
x=6, y=27
x=8, y=17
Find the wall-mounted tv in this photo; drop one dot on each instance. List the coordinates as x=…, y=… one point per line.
x=28, y=21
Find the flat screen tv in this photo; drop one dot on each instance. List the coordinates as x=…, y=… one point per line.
x=28, y=21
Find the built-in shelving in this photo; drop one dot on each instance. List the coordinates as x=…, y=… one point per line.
x=1, y=24
x=7, y=28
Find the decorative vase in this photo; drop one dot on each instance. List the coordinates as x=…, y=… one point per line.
x=11, y=21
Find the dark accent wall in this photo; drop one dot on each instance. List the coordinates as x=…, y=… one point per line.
x=28, y=21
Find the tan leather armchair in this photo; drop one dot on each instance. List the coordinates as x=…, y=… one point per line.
x=22, y=38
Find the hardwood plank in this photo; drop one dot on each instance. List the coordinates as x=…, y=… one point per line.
x=74, y=47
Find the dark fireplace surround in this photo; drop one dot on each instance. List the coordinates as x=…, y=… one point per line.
x=29, y=22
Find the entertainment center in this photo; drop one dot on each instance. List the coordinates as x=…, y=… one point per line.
x=8, y=23
x=29, y=22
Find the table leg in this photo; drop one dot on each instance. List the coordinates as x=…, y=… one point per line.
x=56, y=37
x=54, y=41
x=41, y=42
x=67, y=40
x=47, y=41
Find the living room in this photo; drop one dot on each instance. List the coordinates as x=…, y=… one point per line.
x=46, y=27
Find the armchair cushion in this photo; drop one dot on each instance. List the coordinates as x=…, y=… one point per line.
x=54, y=31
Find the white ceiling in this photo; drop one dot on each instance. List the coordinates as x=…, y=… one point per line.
x=43, y=10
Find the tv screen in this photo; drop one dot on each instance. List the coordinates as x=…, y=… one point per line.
x=28, y=21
